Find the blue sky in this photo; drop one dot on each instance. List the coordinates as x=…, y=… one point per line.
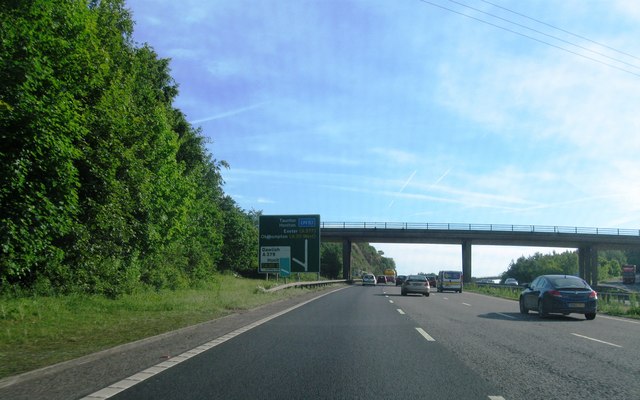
x=408, y=111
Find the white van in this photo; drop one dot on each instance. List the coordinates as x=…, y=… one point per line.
x=450, y=280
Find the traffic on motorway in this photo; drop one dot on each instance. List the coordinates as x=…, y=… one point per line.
x=546, y=294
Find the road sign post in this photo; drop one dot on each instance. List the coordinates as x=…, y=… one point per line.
x=289, y=243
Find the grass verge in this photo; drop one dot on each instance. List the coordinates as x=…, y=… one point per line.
x=605, y=306
x=39, y=331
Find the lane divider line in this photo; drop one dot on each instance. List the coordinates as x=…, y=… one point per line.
x=596, y=340
x=400, y=311
x=126, y=383
x=506, y=315
x=425, y=335
x=496, y=398
x=467, y=304
x=619, y=319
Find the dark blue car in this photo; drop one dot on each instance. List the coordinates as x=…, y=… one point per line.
x=560, y=294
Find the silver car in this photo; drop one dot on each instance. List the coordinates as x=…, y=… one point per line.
x=511, y=281
x=415, y=284
x=368, y=279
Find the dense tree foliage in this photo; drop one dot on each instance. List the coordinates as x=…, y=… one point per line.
x=525, y=269
x=331, y=260
x=364, y=258
x=104, y=185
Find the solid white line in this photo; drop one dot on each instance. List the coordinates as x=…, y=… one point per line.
x=596, y=340
x=425, y=335
x=619, y=319
x=445, y=298
x=496, y=398
x=126, y=383
x=506, y=316
x=467, y=304
x=400, y=311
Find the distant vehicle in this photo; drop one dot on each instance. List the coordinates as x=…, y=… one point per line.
x=432, y=280
x=368, y=279
x=400, y=279
x=511, y=281
x=382, y=279
x=628, y=273
x=416, y=284
x=562, y=294
x=450, y=280
x=390, y=274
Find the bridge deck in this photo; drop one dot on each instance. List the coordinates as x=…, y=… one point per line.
x=481, y=234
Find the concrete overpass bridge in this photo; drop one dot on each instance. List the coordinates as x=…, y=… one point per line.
x=587, y=240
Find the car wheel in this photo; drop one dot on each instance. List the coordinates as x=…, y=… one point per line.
x=523, y=309
x=590, y=316
x=542, y=311
x=426, y=294
x=403, y=293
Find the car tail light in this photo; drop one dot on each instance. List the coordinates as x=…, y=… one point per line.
x=593, y=295
x=555, y=293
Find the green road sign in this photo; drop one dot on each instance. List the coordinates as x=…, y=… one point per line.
x=289, y=243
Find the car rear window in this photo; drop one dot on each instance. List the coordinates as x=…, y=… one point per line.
x=452, y=275
x=417, y=278
x=568, y=282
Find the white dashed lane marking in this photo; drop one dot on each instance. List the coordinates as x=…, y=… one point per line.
x=596, y=340
x=506, y=316
x=425, y=335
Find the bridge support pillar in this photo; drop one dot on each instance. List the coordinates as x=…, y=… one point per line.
x=346, y=259
x=466, y=261
x=588, y=264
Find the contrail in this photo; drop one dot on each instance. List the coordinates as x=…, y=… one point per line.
x=403, y=186
x=228, y=113
x=408, y=180
x=442, y=177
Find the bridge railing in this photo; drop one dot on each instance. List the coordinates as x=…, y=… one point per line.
x=483, y=227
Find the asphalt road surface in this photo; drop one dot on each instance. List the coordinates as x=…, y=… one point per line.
x=371, y=343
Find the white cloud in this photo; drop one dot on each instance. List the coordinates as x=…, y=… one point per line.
x=396, y=156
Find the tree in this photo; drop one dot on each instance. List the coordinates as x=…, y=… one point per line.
x=331, y=260
x=240, y=249
x=46, y=74
x=105, y=185
x=526, y=269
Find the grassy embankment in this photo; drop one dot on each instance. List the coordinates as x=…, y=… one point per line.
x=606, y=306
x=40, y=331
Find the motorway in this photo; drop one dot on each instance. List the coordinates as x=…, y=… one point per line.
x=370, y=342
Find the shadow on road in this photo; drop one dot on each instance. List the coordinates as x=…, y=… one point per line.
x=533, y=317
